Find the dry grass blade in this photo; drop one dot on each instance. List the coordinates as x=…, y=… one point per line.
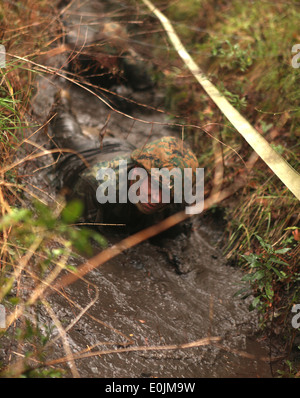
x=219, y=168
x=198, y=343
x=248, y=355
x=64, y=338
x=23, y=261
x=80, y=315
x=40, y=154
x=141, y=236
x=40, y=289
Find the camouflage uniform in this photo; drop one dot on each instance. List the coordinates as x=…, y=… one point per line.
x=81, y=180
x=168, y=153
x=102, y=47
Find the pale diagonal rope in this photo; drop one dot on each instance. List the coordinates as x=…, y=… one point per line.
x=283, y=170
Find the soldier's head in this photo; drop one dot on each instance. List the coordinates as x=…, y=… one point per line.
x=167, y=162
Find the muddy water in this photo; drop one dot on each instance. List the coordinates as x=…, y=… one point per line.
x=143, y=297
x=173, y=289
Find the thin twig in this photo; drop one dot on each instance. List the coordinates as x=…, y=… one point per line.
x=193, y=344
x=64, y=338
x=219, y=168
x=141, y=236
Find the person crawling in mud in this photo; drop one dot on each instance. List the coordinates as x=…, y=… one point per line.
x=116, y=182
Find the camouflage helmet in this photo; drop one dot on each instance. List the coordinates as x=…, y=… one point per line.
x=169, y=153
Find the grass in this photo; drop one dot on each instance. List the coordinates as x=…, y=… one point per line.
x=237, y=45
x=36, y=239
x=245, y=48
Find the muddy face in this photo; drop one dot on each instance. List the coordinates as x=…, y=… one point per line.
x=152, y=195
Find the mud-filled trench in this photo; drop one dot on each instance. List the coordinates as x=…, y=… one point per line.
x=168, y=291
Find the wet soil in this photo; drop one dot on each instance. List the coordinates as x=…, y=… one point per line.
x=142, y=296
x=173, y=289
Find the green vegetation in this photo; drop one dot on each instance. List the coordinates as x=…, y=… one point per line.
x=42, y=242
x=245, y=49
x=37, y=240
x=272, y=270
